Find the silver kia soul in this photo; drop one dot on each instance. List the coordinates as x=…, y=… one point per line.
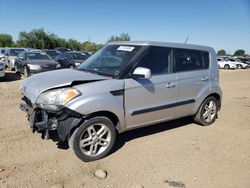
x=123, y=86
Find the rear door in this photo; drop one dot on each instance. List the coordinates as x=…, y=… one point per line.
x=149, y=101
x=193, y=77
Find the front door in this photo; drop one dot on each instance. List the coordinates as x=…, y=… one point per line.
x=148, y=101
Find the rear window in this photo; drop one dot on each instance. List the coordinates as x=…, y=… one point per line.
x=15, y=52
x=189, y=60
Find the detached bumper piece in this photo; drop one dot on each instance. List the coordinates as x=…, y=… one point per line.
x=44, y=121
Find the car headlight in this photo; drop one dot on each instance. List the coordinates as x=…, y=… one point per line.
x=34, y=67
x=2, y=58
x=58, y=66
x=55, y=99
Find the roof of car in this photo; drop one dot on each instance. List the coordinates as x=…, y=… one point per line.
x=162, y=44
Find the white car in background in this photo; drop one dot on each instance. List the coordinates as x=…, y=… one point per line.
x=239, y=63
x=2, y=70
x=2, y=58
x=225, y=64
x=11, y=54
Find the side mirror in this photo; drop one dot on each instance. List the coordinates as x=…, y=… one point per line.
x=141, y=72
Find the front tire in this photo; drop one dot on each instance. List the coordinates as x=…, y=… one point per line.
x=94, y=139
x=207, y=112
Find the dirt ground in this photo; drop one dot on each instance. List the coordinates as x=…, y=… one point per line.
x=174, y=154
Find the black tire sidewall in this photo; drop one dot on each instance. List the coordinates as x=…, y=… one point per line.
x=76, y=136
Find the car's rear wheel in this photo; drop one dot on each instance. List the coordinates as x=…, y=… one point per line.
x=94, y=139
x=226, y=66
x=207, y=112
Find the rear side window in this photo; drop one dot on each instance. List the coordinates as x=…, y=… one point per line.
x=157, y=59
x=189, y=60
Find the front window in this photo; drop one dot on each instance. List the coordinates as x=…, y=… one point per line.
x=15, y=52
x=52, y=53
x=78, y=56
x=37, y=56
x=109, y=60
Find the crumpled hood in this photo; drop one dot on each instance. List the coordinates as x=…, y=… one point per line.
x=33, y=86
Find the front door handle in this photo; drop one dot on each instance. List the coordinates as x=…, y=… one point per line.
x=170, y=85
x=205, y=78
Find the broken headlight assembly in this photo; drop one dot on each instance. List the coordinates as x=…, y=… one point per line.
x=53, y=100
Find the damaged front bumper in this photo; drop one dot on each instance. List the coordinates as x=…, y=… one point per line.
x=44, y=121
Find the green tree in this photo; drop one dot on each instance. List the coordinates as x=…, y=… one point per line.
x=6, y=40
x=239, y=52
x=122, y=37
x=74, y=44
x=90, y=46
x=221, y=52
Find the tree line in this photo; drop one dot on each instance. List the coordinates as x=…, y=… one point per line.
x=40, y=39
x=238, y=52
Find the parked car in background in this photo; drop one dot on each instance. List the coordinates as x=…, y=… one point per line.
x=61, y=49
x=2, y=70
x=71, y=59
x=239, y=63
x=2, y=50
x=11, y=54
x=243, y=64
x=152, y=82
x=225, y=64
x=52, y=53
x=28, y=63
x=2, y=58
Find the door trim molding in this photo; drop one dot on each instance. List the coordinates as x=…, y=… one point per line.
x=162, y=107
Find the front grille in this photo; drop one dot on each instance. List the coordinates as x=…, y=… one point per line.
x=49, y=67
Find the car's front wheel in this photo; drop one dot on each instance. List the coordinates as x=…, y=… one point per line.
x=94, y=139
x=207, y=112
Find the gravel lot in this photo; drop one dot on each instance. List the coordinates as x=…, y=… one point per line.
x=174, y=154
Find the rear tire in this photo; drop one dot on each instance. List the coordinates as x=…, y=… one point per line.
x=207, y=112
x=93, y=139
x=226, y=66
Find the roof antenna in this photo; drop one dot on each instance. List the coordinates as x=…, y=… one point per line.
x=186, y=40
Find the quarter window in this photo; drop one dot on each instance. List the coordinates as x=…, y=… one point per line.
x=187, y=60
x=157, y=59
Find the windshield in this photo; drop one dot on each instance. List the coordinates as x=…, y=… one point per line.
x=53, y=53
x=37, y=56
x=109, y=60
x=78, y=56
x=15, y=52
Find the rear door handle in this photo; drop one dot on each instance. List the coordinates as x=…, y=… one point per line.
x=170, y=85
x=205, y=78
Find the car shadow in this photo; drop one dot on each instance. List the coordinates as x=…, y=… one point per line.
x=133, y=134
x=11, y=76
x=149, y=130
